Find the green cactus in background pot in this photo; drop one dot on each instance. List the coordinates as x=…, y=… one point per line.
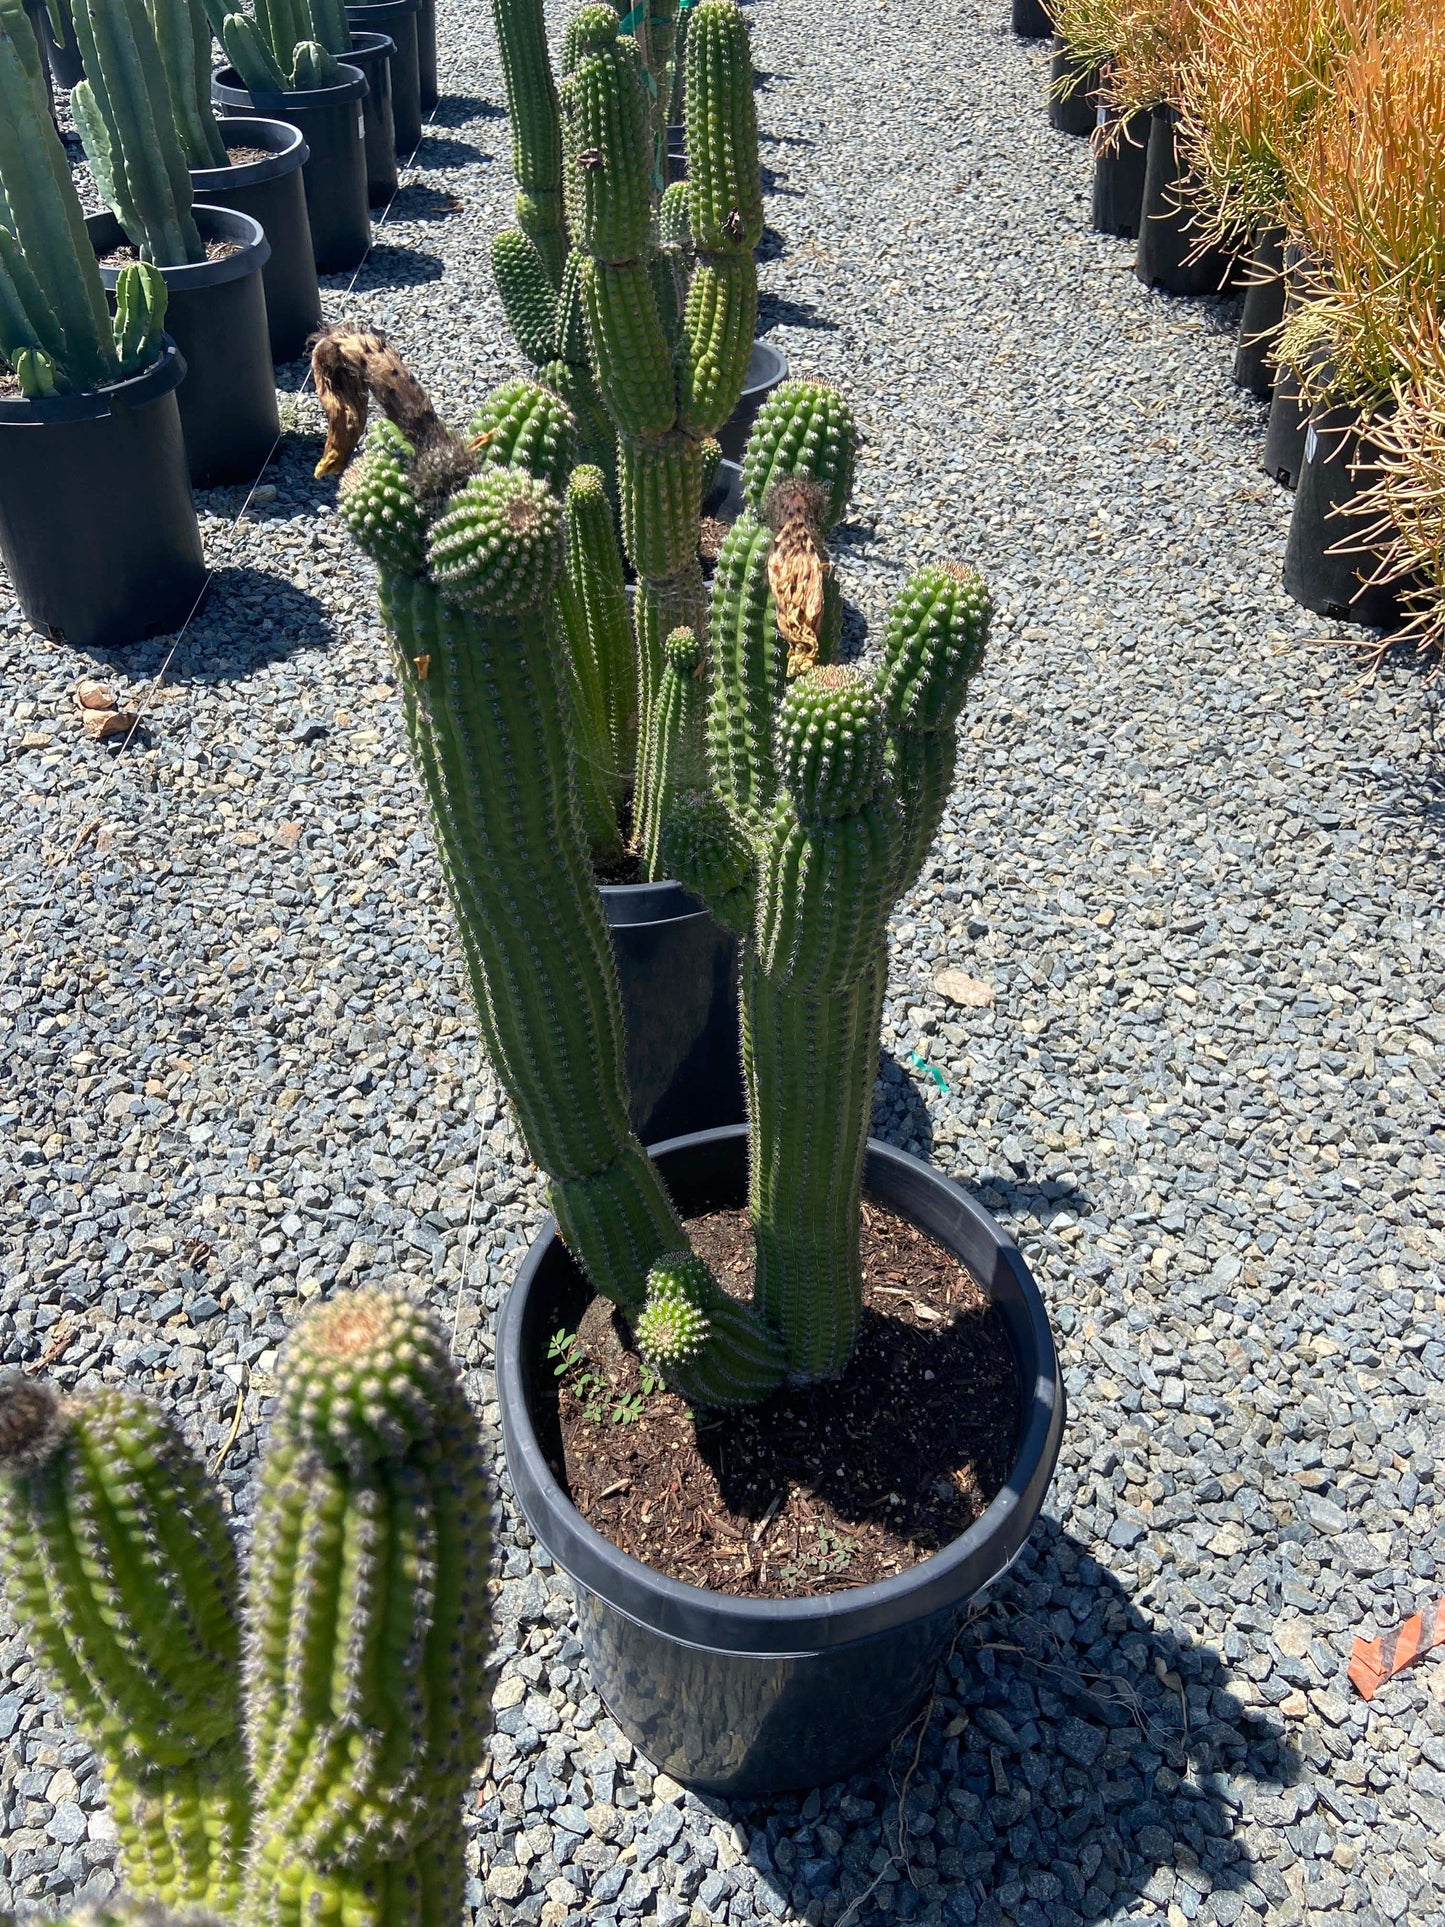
x=56, y=332
x=322, y=1779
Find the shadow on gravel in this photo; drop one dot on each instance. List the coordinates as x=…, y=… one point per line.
x=773, y=183
x=444, y=150
x=250, y=618
x=454, y=110
x=389, y=266
x=900, y=1113
x=777, y=311
x=418, y=202
x=1074, y=1759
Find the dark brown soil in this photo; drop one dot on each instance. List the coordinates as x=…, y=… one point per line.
x=243, y=156
x=122, y=257
x=711, y=535
x=818, y=1489
x=627, y=869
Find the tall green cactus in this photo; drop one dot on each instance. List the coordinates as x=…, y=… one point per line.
x=490, y=717
x=56, y=332
x=124, y=112
x=287, y=45
x=183, y=34
x=365, y=1696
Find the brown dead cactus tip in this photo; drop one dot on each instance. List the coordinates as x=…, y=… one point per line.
x=798, y=568
x=352, y=366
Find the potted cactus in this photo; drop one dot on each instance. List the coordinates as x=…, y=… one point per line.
x=97, y=525
x=283, y=66
x=798, y=799
x=295, y=1749
x=129, y=109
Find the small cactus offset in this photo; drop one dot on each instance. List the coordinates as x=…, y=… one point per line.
x=302, y=1760
x=56, y=332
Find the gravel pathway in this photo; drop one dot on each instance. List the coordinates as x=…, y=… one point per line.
x=1167, y=995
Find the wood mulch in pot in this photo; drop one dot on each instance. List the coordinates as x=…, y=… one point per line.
x=818, y=1489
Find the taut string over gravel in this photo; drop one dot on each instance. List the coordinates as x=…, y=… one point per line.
x=1168, y=994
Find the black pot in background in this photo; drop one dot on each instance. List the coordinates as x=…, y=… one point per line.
x=676, y=154
x=426, y=54
x=1284, y=439
x=1262, y=313
x=1032, y=19
x=724, y=502
x=97, y=525
x=272, y=193
x=750, y=1697
x=216, y=315
x=1168, y=255
x=1076, y=112
x=1119, y=176
x=399, y=19
x=767, y=366
x=1338, y=458
x=372, y=53
x=679, y=975
x=330, y=119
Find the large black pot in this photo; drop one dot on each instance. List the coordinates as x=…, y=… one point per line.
x=62, y=56
x=1169, y=255
x=398, y=18
x=97, y=525
x=1119, y=171
x=1075, y=112
x=1262, y=314
x=334, y=175
x=1339, y=456
x=767, y=366
x=426, y=50
x=271, y=192
x=749, y=1697
x=1289, y=415
x=216, y=314
x=1032, y=19
x=679, y=975
x=372, y=53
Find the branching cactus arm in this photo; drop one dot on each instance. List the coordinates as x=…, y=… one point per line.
x=183, y=34
x=536, y=133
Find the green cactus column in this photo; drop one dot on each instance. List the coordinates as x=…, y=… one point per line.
x=366, y=1623
x=119, y=1567
x=536, y=133
x=183, y=35
x=813, y=981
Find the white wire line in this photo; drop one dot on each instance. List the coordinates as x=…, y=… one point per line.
x=152, y=689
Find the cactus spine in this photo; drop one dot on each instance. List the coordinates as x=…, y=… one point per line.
x=124, y=112
x=364, y=1626
x=55, y=328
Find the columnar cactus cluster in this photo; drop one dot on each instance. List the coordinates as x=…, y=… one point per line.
x=284, y=45
x=799, y=800
x=298, y=1755
x=56, y=332
x=637, y=306
x=128, y=123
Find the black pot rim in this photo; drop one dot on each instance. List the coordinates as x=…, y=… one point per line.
x=666, y=901
x=378, y=44
x=717, y=1621
x=225, y=80
x=771, y=380
x=359, y=10
x=253, y=250
x=166, y=372
x=285, y=159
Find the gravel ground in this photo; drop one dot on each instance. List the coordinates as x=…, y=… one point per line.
x=1185, y=1046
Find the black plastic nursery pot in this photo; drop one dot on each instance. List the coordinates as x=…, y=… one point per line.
x=1032, y=20
x=1262, y=313
x=372, y=52
x=749, y=1697
x=1289, y=415
x=767, y=366
x=1076, y=112
x=724, y=502
x=398, y=18
x=426, y=53
x=1338, y=457
x=62, y=55
x=271, y=192
x=676, y=154
x=334, y=174
x=1119, y=171
x=678, y=970
x=1169, y=256
x=97, y=525
x=216, y=315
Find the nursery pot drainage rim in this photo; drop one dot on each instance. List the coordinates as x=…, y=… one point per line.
x=740, y=1687
x=252, y=131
